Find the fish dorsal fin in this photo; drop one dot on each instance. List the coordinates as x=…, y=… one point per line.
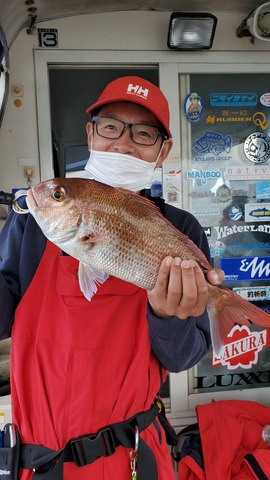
x=89, y=279
x=143, y=200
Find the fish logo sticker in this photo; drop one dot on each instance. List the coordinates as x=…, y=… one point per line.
x=257, y=212
x=213, y=143
x=193, y=107
x=257, y=147
x=235, y=213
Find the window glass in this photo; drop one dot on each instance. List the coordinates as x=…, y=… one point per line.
x=226, y=185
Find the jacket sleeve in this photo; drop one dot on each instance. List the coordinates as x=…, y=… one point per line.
x=180, y=344
x=21, y=247
x=7, y=308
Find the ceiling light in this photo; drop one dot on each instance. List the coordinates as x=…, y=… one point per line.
x=191, y=31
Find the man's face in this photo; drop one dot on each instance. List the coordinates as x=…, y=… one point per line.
x=130, y=113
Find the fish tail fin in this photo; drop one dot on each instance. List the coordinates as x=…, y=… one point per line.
x=230, y=309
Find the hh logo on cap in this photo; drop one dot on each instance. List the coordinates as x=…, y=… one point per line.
x=137, y=90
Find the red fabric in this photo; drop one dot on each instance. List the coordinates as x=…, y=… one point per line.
x=75, y=367
x=229, y=430
x=190, y=470
x=234, y=428
x=262, y=456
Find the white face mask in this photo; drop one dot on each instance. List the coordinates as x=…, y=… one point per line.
x=120, y=170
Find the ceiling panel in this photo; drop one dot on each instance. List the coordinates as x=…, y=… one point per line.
x=17, y=14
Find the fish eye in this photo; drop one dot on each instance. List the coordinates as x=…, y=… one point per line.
x=59, y=194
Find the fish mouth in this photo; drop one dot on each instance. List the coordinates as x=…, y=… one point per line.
x=30, y=201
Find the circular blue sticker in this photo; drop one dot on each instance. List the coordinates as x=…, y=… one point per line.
x=235, y=213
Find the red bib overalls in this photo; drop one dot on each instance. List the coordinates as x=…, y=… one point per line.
x=77, y=366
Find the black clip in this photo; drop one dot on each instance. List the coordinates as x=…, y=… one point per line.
x=87, y=448
x=6, y=198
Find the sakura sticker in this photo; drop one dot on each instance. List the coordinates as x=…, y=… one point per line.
x=193, y=107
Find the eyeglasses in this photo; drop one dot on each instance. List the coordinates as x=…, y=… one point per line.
x=142, y=134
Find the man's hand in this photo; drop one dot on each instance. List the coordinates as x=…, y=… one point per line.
x=181, y=289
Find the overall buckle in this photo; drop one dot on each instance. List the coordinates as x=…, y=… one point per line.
x=87, y=448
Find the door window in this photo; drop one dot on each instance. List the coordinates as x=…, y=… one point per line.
x=226, y=185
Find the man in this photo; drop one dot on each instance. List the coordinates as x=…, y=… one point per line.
x=80, y=367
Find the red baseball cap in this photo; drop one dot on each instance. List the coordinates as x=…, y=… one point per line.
x=136, y=90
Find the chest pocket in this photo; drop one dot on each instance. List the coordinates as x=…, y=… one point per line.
x=118, y=308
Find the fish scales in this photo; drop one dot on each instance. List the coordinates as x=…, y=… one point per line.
x=136, y=239
x=116, y=232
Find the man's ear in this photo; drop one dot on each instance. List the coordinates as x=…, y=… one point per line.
x=165, y=150
x=89, y=132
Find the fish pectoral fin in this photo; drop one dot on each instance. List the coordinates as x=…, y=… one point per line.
x=89, y=279
x=92, y=238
